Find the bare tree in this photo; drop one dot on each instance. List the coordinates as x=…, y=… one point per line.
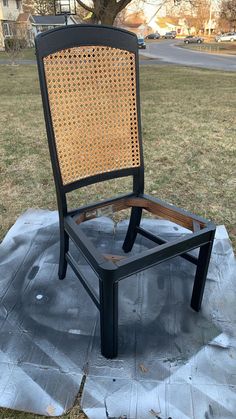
x=44, y=7
x=201, y=9
x=190, y=21
x=104, y=11
x=228, y=12
x=16, y=42
x=28, y=6
x=196, y=14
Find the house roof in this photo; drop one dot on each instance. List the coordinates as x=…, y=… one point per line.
x=134, y=20
x=50, y=20
x=23, y=17
x=172, y=20
x=164, y=22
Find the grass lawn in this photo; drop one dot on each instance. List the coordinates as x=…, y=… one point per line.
x=214, y=47
x=24, y=54
x=189, y=147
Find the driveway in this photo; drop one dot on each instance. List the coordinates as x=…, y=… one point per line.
x=169, y=51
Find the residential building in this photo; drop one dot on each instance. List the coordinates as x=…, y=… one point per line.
x=15, y=22
x=44, y=23
x=9, y=12
x=24, y=28
x=170, y=23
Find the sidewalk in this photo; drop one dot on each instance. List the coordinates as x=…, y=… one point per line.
x=7, y=61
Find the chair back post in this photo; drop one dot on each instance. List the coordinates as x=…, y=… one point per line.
x=138, y=178
x=138, y=182
x=61, y=196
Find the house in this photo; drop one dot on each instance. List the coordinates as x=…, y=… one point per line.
x=9, y=12
x=134, y=22
x=15, y=22
x=44, y=23
x=167, y=24
x=24, y=28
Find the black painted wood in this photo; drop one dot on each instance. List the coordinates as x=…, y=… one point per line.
x=108, y=272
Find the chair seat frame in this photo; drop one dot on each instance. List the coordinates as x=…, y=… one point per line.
x=111, y=269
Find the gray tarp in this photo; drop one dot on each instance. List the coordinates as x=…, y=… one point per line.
x=172, y=361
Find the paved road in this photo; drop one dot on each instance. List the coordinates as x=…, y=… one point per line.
x=168, y=51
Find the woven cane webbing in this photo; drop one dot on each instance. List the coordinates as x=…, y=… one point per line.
x=92, y=97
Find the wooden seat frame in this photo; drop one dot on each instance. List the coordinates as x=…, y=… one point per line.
x=108, y=268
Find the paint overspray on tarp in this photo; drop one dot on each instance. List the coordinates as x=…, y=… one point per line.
x=172, y=361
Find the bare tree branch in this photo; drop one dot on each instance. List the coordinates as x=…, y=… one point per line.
x=122, y=4
x=82, y=4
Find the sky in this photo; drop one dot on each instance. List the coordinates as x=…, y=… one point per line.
x=150, y=7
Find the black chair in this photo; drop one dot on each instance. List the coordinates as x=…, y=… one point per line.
x=89, y=79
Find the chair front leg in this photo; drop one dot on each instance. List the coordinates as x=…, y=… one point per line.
x=201, y=274
x=64, y=247
x=109, y=317
x=135, y=218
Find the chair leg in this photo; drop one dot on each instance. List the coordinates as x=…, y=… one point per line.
x=64, y=247
x=135, y=218
x=201, y=275
x=109, y=318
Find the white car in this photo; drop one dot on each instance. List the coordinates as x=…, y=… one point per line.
x=230, y=36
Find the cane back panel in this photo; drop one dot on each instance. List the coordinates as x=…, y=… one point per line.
x=92, y=98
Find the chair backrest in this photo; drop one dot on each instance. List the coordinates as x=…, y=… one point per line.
x=90, y=89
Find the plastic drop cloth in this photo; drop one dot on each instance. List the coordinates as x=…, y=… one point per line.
x=172, y=362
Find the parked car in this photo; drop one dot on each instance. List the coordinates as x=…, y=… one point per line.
x=153, y=36
x=170, y=35
x=193, y=40
x=141, y=43
x=225, y=37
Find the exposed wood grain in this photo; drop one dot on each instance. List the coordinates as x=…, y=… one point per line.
x=113, y=258
x=155, y=208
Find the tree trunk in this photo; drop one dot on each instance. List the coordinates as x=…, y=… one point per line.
x=104, y=18
x=108, y=19
x=105, y=11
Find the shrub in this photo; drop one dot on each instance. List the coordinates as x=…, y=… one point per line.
x=15, y=44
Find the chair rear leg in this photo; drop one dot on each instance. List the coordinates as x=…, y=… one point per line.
x=64, y=247
x=201, y=275
x=109, y=318
x=135, y=218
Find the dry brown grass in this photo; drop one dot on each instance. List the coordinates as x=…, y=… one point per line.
x=189, y=146
x=189, y=140
x=214, y=47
